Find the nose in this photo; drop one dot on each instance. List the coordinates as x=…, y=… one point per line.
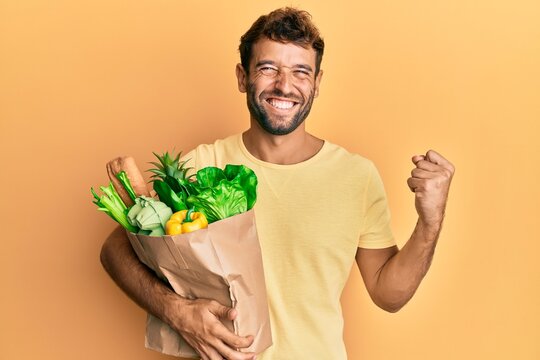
x=284, y=82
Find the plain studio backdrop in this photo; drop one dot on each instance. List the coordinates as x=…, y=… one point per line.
x=84, y=81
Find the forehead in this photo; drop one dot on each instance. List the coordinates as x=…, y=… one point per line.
x=284, y=54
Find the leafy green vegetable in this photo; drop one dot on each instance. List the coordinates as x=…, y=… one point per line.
x=224, y=193
x=209, y=176
x=220, y=202
x=168, y=196
x=217, y=193
x=111, y=204
x=246, y=178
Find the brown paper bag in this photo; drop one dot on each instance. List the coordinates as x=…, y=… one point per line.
x=223, y=263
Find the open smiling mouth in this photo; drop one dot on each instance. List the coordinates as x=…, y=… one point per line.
x=281, y=104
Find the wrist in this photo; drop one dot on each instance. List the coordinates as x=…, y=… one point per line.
x=430, y=227
x=173, y=306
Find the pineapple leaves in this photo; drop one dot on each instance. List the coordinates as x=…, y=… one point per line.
x=169, y=165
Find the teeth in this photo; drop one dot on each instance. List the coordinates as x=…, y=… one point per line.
x=280, y=104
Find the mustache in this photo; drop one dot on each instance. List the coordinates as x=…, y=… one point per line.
x=281, y=94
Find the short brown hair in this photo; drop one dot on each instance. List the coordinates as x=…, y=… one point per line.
x=283, y=25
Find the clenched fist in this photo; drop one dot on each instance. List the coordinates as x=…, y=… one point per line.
x=430, y=182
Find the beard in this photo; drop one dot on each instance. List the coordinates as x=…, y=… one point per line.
x=274, y=125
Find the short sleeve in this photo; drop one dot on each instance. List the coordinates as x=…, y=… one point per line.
x=375, y=231
x=200, y=157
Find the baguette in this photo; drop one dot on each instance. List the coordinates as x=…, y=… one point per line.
x=127, y=164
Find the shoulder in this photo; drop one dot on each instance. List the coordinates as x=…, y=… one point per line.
x=212, y=154
x=218, y=145
x=347, y=161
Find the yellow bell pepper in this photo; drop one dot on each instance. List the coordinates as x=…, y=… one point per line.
x=185, y=221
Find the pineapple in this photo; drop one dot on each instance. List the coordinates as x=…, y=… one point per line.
x=170, y=166
x=171, y=182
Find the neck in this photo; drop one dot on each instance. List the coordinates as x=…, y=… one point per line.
x=289, y=149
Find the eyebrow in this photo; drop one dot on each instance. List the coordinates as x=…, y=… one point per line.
x=270, y=62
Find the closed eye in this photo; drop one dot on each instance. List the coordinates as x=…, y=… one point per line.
x=268, y=71
x=302, y=74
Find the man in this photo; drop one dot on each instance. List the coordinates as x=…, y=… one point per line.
x=319, y=209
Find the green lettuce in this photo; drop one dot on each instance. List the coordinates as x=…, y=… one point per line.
x=246, y=178
x=224, y=193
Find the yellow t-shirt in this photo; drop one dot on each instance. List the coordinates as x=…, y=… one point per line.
x=310, y=217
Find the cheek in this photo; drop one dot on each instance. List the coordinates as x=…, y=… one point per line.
x=306, y=89
x=261, y=86
x=257, y=79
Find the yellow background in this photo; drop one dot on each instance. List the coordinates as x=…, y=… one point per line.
x=84, y=81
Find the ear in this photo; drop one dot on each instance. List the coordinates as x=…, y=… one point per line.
x=241, y=76
x=318, y=82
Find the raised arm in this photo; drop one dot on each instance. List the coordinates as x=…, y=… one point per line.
x=392, y=276
x=196, y=320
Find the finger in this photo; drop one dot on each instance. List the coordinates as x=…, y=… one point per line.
x=232, y=354
x=436, y=158
x=224, y=334
x=205, y=351
x=423, y=174
x=417, y=158
x=221, y=311
x=233, y=340
x=212, y=354
x=415, y=184
x=232, y=314
x=428, y=166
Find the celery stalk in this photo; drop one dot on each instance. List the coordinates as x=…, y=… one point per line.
x=124, y=180
x=111, y=204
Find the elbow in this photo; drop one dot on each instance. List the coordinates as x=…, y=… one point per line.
x=104, y=256
x=392, y=304
x=391, y=307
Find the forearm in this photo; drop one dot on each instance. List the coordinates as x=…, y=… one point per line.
x=399, y=278
x=134, y=278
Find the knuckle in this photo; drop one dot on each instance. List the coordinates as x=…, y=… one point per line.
x=434, y=184
x=213, y=328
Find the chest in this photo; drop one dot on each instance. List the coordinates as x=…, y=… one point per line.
x=318, y=215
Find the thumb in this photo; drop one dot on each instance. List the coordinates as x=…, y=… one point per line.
x=224, y=312
x=417, y=158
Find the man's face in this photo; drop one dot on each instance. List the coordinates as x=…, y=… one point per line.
x=280, y=85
